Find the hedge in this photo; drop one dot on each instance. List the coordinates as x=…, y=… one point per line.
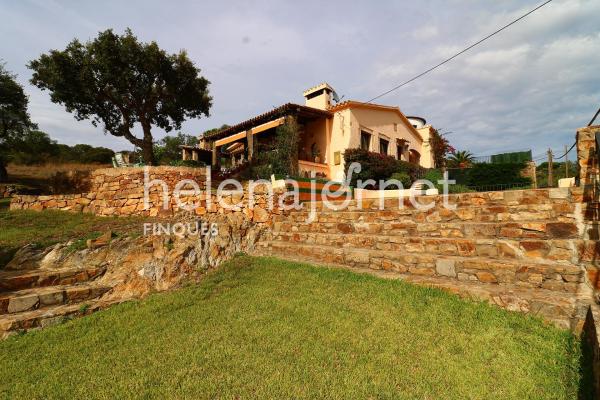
x=490, y=175
x=377, y=166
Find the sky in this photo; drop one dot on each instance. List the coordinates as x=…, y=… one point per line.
x=529, y=87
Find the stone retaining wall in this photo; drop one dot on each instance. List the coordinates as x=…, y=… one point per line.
x=587, y=158
x=120, y=191
x=525, y=250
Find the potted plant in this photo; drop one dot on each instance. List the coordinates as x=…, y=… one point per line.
x=316, y=154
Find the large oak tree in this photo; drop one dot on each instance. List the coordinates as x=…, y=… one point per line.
x=14, y=118
x=118, y=81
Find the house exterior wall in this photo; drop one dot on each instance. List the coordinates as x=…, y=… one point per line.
x=315, y=132
x=341, y=139
x=427, y=153
x=346, y=131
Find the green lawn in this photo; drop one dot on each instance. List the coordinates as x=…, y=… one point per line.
x=265, y=328
x=20, y=227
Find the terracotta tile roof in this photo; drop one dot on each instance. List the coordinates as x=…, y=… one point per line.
x=286, y=109
x=352, y=103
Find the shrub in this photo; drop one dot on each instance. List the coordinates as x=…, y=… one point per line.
x=496, y=174
x=187, y=163
x=70, y=182
x=278, y=157
x=457, y=189
x=377, y=166
x=435, y=175
x=404, y=178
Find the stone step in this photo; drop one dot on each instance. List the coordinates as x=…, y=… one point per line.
x=525, y=249
x=564, y=309
x=11, y=324
x=554, y=276
x=37, y=298
x=541, y=229
x=16, y=280
x=538, y=212
x=509, y=198
x=373, y=206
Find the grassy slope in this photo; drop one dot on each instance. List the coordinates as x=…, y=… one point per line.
x=18, y=228
x=265, y=328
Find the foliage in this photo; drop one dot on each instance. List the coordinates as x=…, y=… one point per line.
x=266, y=328
x=374, y=166
x=213, y=130
x=440, y=147
x=70, y=182
x=512, y=157
x=435, y=175
x=403, y=177
x=460, y=159
x=168, y=150
x=496, y=174
x=14, y=117
x=278, y=157
x=36, y=147
x=457, y=188
x=119, y=82
x=377, y=166
x=32, y=147
x=85, y=154
x=558, y=172
x=187, y=163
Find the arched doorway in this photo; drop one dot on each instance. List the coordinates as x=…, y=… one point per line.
x=414, y=156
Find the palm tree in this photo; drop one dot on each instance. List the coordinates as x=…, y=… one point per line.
x=461, y=159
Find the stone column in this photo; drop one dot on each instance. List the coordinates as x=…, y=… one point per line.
x=214, y=156
x=250, y=142
x=587, y=156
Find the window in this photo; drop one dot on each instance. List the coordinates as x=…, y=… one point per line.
x=383, y=146
x=395, y=127
x=399, y=150
x=365, y=140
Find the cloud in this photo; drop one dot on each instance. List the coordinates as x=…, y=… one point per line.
x=530, y=86
x=425, y=32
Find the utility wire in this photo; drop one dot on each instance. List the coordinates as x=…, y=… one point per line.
x=571, y=148
x=460, y=52
x=566, y=152
x=593, y=119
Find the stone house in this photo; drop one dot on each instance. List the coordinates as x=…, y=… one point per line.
x=327, y=128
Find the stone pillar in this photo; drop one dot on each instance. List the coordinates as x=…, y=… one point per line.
x=214, y=156
x=587, y=156
x=184, y=154
x=530, y=171
x=250, y=142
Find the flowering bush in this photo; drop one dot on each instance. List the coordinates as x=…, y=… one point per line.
x=377, y=166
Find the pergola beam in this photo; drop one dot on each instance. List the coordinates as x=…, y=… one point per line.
x=253, y=131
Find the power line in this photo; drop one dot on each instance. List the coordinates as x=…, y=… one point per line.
x=567, y=152
x=460, y=52
x=593, y=119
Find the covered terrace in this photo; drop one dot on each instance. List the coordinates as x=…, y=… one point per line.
x=240, y=143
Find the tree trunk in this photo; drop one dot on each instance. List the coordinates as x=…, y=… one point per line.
x=147, y=146
x=148, y=152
